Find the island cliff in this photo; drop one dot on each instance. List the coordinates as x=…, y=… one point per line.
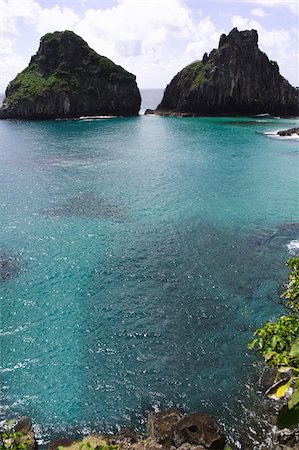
x=235, y=79
x=66, y=78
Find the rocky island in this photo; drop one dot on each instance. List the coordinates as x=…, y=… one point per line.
x=65, y=79
x=235, y=79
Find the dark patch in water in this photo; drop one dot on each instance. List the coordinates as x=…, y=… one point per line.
x=9, y=267
x=85, y=205
x=292, y=227
x=275, y=238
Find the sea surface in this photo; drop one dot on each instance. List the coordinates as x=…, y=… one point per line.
x=137, y=257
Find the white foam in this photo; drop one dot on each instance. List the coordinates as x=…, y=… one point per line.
x=293, y=247
x=263, y=115
x=267, y=116
x=88, y=118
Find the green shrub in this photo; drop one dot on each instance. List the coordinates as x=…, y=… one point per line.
x=278, y=343
x=30, y=84
x=93, y=442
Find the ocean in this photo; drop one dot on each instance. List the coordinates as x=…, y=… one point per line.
x=137, y=257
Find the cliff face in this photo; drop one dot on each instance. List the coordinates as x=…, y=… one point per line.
x=66, y=78
x=236, y=78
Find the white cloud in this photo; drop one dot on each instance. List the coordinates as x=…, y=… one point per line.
x=293, y=5
x=259, y=12
x=205, y=38
x=153, y=39
x=53, y=19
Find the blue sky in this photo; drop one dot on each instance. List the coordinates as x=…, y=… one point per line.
x=153, y=39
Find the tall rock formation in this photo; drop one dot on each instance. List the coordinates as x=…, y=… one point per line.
x=66, y=78
x=237, y=78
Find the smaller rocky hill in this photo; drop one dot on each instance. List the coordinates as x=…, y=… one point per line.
x=237, y=78
x=66, y=78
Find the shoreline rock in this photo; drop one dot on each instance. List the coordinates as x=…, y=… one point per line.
x=156, y=112
x=289, y=132
x=170, y=429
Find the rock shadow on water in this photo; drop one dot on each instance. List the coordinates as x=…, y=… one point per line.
x=86, y=205
x=10, y=267
x=278, y=237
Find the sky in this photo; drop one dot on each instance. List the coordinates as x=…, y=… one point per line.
x=154, y=39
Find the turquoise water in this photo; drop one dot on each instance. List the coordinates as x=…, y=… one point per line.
x=138, y=256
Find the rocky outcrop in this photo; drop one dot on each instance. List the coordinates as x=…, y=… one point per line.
x=160, y=425
x=198, y=429
x=288, y=132
x=171, y=429
x=235, y=79
x=66, y=78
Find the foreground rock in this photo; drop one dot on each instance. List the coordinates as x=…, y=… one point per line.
x=66, y=78
x=167, y=430
x=288, y=132
x=198, y=429
x=160, y=425
x=235, y=79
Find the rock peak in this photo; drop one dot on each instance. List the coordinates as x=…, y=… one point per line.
x=63, y=49
x=236, y=37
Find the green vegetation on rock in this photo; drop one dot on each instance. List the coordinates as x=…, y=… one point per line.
x=198, y=72
x=278, y=343
x=31, y=84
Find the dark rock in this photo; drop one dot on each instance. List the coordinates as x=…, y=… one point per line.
x=288, y=437
x=63, y=441
x=147, y=444
x=149, y=111
x=160, y=424
x=128, y=434
x=66, y=78
x=235, y=79
x=158, y=112
x=289, y=132
x=198, y=429
x=32, y=445
x=24, y=425
x=125, y=438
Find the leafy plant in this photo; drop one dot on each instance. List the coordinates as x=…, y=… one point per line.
x=292, y=291
x=278, y=343
x=98, y=444
x=13, y=440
